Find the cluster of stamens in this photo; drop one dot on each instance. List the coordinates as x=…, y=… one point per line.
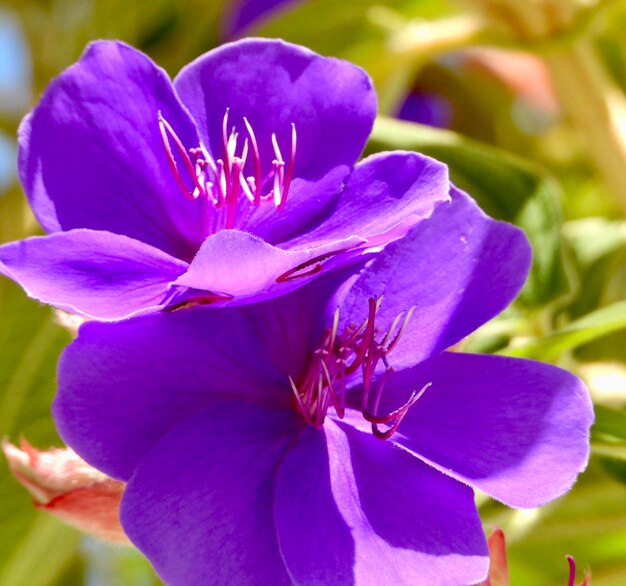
x=223, y=181
x=338, y=357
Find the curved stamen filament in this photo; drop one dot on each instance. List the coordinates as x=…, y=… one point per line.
x=256, y=157
x=395, y=417
x=338, y=357
x=224, y=181
x=167, y=133
x=290, y=167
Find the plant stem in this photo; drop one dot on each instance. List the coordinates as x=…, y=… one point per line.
x=597, y=108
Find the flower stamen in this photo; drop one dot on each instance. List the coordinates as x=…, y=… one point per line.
x=167, y=133
x=224, y=182
x=340, y=356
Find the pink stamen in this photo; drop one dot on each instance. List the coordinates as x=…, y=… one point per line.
x=395, y=417
x=290, y=168
x=224, y=180
x=256, y=157
x=572, y=573
x=167, y=132
x=572, y=570
x=233, y=195
x=225, y=141
x=220, y=195
x=340, y=356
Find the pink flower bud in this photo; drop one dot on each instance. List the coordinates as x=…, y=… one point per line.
x=69, y=488
x=498, y=566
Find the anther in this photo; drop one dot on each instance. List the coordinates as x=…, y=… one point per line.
x=223, y=181
x=339, y=357
x=395, y=417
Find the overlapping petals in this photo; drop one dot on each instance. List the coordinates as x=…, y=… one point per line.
x=237, y=475
x=358, y=495
x=474, y=408
x=458, y=270
x=259, y=138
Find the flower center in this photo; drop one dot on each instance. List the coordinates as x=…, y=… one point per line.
x=231, y=194
x=340, y=356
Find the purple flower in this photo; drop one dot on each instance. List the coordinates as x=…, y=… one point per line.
x=326, y=436
x=426, y=108
x=232, y=184
x=240, y=15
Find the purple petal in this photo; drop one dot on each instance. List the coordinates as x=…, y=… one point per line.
x=516, y=429
x=274, y=85
x=91, y=154
x=386, y=195
x=351, y=509
x=427, y=108
x=96, y=274
x=315, y=540
x=199, y=505
x=246, y=13
x=459, y=269
x=123, y=386
x=242, y=268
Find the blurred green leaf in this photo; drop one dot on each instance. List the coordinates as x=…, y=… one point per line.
x=609, y=450
x=610, y=422
x=34, y=547
x=112, y=565
x=609, y=441
x=368, y=33
x=590, y=327
x=598, y=250
x=505, y=186
x=41, y=555
x=616, y=468
x=589, y=523
x=326, y=26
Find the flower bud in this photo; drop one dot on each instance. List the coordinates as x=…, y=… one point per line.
x=69, y=488
x=498, y=566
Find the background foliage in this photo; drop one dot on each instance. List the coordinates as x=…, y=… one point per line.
x=523, y=157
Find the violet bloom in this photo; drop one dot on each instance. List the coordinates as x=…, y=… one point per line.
x=325, y=436
x=240, y=15
x=426, y=108
x=233, y=184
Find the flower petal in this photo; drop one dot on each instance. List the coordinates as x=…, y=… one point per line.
x=123, y=386
x=386, y=195
x=459, y=269
x=242, y=14
x=96, y=274
x=91, y=154
x=242, y=268
x=199, y=505
x=274, y=85
x=516, y=429
x=351, y=509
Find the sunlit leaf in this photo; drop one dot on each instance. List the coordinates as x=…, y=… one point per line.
x=30, y=343
x=610, y=422
x=590, y=327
